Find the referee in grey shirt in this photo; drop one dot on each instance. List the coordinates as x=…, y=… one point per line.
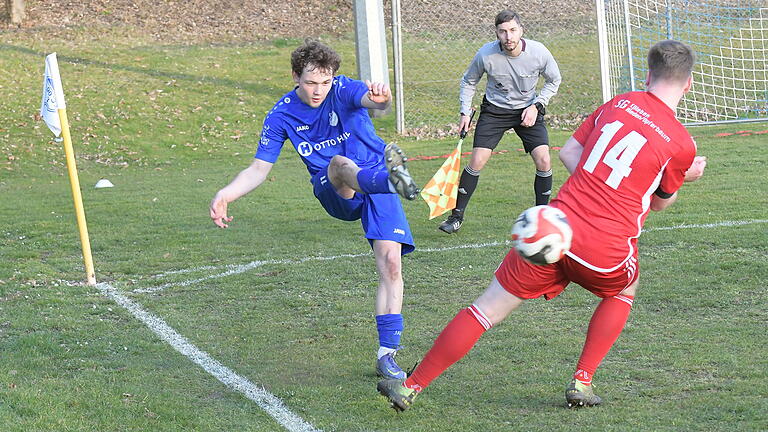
x=513, y=66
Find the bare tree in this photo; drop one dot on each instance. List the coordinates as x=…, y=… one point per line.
x=15, y=10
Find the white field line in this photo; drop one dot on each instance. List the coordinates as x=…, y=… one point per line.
x=242, y=268
x=264, y=399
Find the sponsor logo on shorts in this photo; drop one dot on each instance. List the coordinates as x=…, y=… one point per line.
x=399, y=231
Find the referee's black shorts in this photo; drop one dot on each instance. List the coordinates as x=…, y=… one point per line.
x=494, y=121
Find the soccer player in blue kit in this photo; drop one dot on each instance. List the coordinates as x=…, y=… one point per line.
x=354, y=174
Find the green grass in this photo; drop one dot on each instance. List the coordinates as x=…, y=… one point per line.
x=692, y=357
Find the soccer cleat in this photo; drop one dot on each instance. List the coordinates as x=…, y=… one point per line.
x=578, y=394
x=452, y=224
x=398, y=173
x=387, y=368
x=399, y=396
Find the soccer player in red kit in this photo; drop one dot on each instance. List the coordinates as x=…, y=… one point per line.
x=628, y=157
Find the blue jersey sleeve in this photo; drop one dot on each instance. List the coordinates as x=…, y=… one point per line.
x=351, y=91
x=273, y=137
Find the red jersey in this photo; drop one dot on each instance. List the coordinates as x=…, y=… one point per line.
x=633, y=145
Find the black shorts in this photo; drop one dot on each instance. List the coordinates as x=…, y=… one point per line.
x=494, y=121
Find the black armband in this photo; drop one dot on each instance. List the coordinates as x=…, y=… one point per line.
x=661, y=194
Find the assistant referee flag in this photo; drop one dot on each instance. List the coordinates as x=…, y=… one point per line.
x=441, y=190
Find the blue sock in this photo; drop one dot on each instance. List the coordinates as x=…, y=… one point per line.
x=390, y=328
x=373, y=181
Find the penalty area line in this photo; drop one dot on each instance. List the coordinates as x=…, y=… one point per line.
x=270, y=403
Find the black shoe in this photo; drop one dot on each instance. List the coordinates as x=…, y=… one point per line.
x=398, y=173
x=579, y=395
x=452, y=224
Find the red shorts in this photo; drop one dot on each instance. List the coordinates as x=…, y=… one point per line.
x=529, y=281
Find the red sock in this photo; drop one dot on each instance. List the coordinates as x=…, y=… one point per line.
x=455, y=341
x=604, y=328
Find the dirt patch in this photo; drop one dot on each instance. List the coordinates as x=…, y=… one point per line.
x=196, y=20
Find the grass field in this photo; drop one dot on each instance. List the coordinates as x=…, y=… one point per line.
x=283, y=299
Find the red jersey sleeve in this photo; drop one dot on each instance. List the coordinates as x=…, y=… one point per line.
x=674, y=172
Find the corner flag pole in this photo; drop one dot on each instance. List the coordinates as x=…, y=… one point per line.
x=54, y=111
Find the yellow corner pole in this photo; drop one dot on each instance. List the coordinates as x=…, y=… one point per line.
x=77, y=197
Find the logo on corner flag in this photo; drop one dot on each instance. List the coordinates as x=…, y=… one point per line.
x=53, y=95
x=49, y=97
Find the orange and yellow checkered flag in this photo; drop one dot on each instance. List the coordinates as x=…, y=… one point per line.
x=441, y=190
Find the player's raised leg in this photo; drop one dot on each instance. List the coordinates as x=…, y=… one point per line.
x=347, y=177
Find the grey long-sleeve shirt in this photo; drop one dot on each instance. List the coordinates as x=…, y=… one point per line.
x=511, y=80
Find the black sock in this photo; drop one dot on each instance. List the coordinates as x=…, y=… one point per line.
x=542, y=186
x=467, y=186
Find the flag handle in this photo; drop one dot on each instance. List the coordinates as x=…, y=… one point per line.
x=463, y=132
x=77, y=197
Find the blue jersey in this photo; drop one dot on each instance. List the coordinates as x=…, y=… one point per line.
x=339, y=126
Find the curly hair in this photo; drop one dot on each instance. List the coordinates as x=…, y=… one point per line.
x=317, y=54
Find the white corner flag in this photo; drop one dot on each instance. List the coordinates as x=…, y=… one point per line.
x=54, y=113
x=53, y=95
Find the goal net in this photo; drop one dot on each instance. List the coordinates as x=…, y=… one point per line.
x=730, y=37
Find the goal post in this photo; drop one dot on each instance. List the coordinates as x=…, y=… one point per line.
x=730, y=38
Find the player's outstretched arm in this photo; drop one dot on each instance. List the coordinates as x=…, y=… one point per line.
x=246, y=181
x=570, y=154
x=379, y=96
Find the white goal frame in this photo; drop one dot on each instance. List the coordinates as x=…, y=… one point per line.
x=730, y=38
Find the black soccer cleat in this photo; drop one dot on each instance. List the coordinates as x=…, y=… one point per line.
x=452, y=224
x=579, y=395
x=400, y=397
x=395, y=159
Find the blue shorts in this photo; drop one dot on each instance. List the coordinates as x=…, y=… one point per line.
x=382, y=215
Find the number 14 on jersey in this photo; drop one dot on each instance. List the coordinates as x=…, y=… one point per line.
x=619, y=157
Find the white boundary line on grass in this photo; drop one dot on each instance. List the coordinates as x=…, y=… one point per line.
x=242, y=268
x=270, y=403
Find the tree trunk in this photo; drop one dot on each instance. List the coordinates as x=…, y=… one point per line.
x=15, y=10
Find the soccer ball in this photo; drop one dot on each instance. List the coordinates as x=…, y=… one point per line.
x=542, y=235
